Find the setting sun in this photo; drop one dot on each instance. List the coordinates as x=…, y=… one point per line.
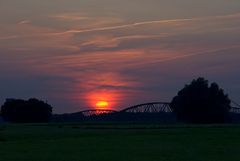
x=103, y=99
x=102, y=104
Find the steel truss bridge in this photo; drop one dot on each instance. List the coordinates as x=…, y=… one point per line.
x=153, y=107
x=235, y=107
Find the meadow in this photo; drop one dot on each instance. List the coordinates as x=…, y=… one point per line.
x=119, y=142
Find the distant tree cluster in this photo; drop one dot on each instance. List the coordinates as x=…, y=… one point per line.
x=201, y=103
x=32, y=110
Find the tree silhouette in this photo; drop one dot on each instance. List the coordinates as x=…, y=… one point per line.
x=201, y=103
x=32, y=110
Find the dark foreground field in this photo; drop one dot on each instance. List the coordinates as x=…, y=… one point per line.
x=103, y=142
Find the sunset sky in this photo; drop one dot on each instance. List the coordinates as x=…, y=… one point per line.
x=74, y=53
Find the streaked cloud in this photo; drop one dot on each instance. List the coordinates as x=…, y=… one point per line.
x=24, y=22
x=70, y=17
x=8, y=37
x=174, y=22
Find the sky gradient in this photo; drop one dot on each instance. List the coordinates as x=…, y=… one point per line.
x=75, y=53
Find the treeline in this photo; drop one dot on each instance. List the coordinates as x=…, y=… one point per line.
x=26, y=111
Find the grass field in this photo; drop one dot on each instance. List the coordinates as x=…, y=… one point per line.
x=109, y=142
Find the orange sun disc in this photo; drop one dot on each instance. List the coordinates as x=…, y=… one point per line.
x=102, y=104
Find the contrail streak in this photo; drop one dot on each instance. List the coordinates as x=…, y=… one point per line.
x=198, y=53
x=8, y=37
x=146, y=23
x=131, y=25
x=183, y=56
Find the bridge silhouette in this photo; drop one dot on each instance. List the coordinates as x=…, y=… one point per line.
x=152, y=107
x=235, y=107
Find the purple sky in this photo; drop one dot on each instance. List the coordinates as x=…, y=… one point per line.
x=75, y=53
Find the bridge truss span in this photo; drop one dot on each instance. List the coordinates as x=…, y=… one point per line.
x=235, y=107
x=153, y=107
